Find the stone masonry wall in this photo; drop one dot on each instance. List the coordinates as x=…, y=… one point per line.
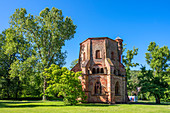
x=92, y=80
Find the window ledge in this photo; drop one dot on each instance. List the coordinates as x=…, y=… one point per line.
x=98, y=58
x=99, y=95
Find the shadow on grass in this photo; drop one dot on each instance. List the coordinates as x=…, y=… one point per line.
x=150, y=103
x=43, y=104
x=96, y=104
x=21, y=104
x=24, y=104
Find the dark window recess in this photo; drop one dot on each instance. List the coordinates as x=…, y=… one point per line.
x=97, y=70
x=102, y=71
x=93, y=71
x=115, y=72
x=119, y=73
x=88, y=72
x=98, y=88
x=117, y=89
x=98, y=54
x=112, y=56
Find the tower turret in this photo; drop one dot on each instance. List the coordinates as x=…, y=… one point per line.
x=120, y=46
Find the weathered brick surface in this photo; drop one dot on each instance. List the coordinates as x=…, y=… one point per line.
x=114, y=71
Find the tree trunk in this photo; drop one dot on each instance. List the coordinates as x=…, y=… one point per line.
x=126, y=94
x=17, y=88
x=44, y=96
x=16, y=93
x=157, y=100
x=8, y=84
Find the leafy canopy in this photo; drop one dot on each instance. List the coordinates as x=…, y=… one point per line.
x=45, y=34
x=128, y=62
x=155, y=80
x=32, y=43
x=65, y=83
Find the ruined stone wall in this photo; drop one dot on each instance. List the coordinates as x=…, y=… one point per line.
x=111, y=46
x=98, y=45
x=121, y=81
x=84, y=55
x=92, y=80
x=84, y=48
x=107, y=79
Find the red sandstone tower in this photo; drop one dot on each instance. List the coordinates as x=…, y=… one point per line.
x=103, y=73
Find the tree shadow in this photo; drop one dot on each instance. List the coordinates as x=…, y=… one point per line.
x=97, y=104
x=24, y=104
x=150, y=103
x=40, y=104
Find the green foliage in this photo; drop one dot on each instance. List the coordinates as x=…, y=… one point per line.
x=8, y=88
x=133, y=82
x=155, y=81
x=167, y=79
x=45, y=33
x=17, y=67
x=152, y=84
x=65, y=83
x=127, y=61
x=158, y=57
x=31, y=44
x=73, y=63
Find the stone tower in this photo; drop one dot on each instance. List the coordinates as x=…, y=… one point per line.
x=103, y=74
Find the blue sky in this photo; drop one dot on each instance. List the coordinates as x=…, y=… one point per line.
x=137, y=22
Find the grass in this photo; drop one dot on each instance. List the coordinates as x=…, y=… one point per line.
x=59, y=107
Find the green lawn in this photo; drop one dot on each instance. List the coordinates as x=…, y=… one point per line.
x=59, y=107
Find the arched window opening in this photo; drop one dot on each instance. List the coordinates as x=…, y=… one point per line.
x=112, y=55
x=98, y=54
x=117, y=89
x=97, y=70
x=84, y=56
x=94, y=71
x=98, y=88
x=102, y=71
x=88, y=72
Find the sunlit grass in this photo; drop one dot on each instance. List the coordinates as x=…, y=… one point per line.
x=59, y=107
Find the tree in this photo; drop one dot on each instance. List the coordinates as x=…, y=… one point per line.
x=16, y=65
x=133, y=82
x=167, y=79
x=6, y=60
x=42, y=37
x=154, y=81
x=73, y=63
x=127, y=61
x=3, y=67
x=66, y=83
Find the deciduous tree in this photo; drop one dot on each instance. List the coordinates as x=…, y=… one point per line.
x=42, y=37
x=154, y=81
x=65, y=83
x=127, y=61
